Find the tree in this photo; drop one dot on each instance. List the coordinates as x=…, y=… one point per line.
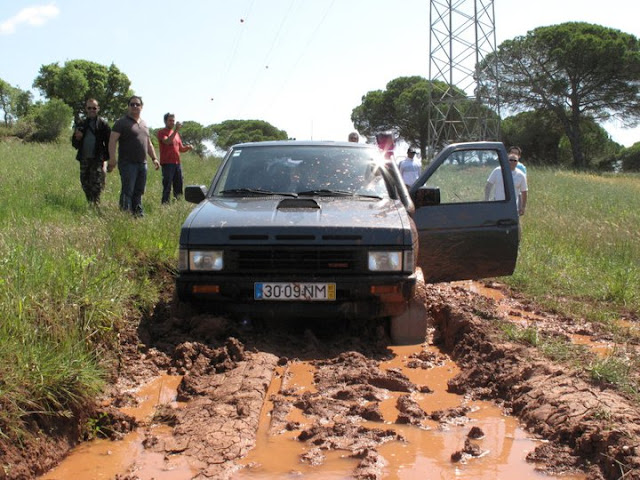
x=51, y=119
x=537, y=133
x=78, y=80
x=631, y=158
x=575, y=71
x=597, y=146
x=14, y=102
x=194, y=134
x=231, y=132
x=403, y=107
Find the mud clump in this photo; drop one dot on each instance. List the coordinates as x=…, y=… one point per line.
x=409, y=411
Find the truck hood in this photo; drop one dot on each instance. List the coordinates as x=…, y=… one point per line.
x=321, y=220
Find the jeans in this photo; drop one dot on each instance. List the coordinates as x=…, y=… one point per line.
x=133, y=178
x=171, y=177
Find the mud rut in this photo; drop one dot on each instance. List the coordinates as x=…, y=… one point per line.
x=227, y=369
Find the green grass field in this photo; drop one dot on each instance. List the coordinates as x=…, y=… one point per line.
x=70, y=273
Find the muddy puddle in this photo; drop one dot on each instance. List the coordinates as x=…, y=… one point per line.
x=499, y=447
x=105, y=459
x=426, y=449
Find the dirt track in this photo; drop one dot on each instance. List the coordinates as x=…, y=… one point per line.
x=227, y=369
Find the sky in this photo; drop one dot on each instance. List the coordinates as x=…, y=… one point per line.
x=301, y=65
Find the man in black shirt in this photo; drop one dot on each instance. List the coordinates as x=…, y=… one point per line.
x=91, y=139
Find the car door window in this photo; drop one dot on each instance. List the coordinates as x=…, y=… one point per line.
x=463, y=176
x=465, y=230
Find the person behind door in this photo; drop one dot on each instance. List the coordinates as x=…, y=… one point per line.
x=410, y=168
x=91, y=139
x=495, y=184
x=131, y=134
x=170, y=149
x=516, y=151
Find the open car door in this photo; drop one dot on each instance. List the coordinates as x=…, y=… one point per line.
x=462, y=233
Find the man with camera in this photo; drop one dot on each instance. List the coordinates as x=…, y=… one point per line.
x=91, y=139
x=171, y=147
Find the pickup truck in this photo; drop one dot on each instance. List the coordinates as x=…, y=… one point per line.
x=329, y=229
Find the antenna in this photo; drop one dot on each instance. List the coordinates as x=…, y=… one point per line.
x=462, y=47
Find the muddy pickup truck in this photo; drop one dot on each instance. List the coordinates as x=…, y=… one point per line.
x=328, y=229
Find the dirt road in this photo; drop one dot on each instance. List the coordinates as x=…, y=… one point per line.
x=335, y=392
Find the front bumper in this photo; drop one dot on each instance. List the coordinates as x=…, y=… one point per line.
x=357, y=296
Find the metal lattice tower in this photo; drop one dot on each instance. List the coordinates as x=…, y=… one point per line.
x=462, y=35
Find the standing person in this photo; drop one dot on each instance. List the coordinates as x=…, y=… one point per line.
x=495, y=183
x=91, y=139
x=410, y=168
x=170, y=149
x=131, y=134
x=354, y=137
x=517, y=152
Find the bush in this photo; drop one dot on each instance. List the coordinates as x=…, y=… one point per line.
x=631, y=158
x=51, y=120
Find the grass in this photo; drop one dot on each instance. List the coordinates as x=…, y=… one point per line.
x=580, y=250
x=69, y=275
x=580, y=257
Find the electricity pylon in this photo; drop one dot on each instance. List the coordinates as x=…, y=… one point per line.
x=461, y=41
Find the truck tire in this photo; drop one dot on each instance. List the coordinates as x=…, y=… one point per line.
x=410, y=327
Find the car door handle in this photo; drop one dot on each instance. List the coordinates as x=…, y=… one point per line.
x=505, y=222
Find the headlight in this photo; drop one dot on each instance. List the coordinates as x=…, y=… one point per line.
x=385, y=261
x=206, y=260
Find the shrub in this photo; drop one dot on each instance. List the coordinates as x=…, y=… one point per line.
x=51, y=119
x=631, y=158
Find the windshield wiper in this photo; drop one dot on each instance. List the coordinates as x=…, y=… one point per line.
x=255, y=191
x=324, y=192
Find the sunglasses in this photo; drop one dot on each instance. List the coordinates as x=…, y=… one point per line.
x=134, y=104
x=92, y=108
x=513, y=159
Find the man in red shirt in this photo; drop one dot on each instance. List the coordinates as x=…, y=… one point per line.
x=170, y=149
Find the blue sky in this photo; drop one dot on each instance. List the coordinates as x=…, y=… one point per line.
x=302, y=65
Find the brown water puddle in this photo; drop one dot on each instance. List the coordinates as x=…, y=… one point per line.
x=428, y=448
x=104, y=459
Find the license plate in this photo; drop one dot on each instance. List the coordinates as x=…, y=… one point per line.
x=294, y=291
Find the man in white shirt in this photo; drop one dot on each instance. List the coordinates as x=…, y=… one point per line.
x=410, y=168
x=496, y=184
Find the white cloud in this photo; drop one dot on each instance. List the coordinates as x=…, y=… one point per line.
x=34, y=16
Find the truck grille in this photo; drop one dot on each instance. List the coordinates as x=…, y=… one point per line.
x=293, y=259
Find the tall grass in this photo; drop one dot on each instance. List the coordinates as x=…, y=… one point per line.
x=580, y=249
x=69, y=274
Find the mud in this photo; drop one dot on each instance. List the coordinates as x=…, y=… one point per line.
x=353, y=403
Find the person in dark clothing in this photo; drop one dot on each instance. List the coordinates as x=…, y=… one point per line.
x=131, y=135
x=91, y=139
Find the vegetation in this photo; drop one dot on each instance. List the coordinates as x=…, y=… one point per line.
x=78, y=80
x=580, y=256
x=231, y=132
x=403, y=107
x=575, y=71
x=70, y=276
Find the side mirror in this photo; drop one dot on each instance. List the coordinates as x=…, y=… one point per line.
x=426, y=196
x=195, y=193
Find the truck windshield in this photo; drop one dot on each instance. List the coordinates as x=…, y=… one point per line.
x=295, y=169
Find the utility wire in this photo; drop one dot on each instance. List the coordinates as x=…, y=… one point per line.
x=304, y=50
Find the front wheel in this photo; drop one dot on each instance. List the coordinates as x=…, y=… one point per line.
x=410, y=327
